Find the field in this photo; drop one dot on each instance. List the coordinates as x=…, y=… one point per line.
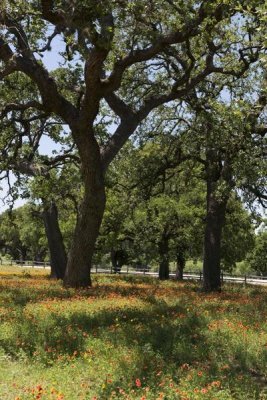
x=130, y=338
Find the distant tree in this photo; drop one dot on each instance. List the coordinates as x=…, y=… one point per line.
x=151, y=214
x=58, y=189
x=258, y=257
x=22, y=234
x=238, y=234
x=22, y=157
x=227, y=138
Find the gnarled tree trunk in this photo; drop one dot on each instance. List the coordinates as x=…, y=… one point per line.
x=57, y=250
x=90, y=216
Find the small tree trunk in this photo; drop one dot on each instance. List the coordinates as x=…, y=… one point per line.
x=113, y=260
x=164, y=272
x=23, y=254
x=216, y=208
x=116, y=262
x=57, y=251
x=180, y=264
x=89, y=219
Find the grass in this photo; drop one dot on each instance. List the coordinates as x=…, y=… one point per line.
x=130, y=338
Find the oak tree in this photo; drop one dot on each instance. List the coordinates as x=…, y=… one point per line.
x=134, y=55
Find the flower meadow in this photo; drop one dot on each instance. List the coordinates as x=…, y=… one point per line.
x=130, y=338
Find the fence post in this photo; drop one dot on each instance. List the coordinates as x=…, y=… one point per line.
x=96, y=268
x=127, y=269
x=245, y=280
x=222, y=276
x=200, y=275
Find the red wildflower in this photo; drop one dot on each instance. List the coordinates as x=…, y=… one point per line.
x=138, y=382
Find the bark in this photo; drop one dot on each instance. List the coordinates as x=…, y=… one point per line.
x=57, y=251
x=118, y=259
x=215, y=218
x=23, y=254
x=180, y=264
x=90, y=216
x=164, y=258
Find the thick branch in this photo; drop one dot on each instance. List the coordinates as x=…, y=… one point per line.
x=191, y=29
x=20, y=107
x=118, y=139
x=16, y=29
x=53, y=101
x=55, y=17
x=119, y=106
x=26, y=168
x=130, y=120
x=93, y=70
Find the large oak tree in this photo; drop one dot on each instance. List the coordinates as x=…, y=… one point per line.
x=134, y=55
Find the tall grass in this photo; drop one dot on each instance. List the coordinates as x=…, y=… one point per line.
x=130, y=338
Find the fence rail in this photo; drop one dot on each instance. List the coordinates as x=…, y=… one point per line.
x=193, y=275
x=25, y=263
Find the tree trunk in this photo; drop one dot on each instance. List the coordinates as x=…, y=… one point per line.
x=215, y=217
x=117, y=260
x=180, y=264
x=164, y=258
x=113, y=260
x=57, y=251
x=23, y=254
x=90, y=216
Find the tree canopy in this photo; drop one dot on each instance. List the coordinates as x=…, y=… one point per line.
x=120, y=62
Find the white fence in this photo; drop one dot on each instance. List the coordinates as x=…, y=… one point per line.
x=250, y=279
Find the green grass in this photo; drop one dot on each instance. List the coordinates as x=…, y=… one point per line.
x=130, y=338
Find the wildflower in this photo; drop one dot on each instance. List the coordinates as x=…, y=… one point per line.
x=216, y=383
x=138, y=382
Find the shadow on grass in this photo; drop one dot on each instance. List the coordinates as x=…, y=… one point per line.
x=152, y=326
x=161, y=336
x=16, y=296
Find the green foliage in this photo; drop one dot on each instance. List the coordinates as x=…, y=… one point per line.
x=238, y=235
x=145, y=202
x=258, y=257
x=22, y=234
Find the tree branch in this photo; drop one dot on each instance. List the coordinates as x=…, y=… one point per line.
x=190, y=29
x=20, y=107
